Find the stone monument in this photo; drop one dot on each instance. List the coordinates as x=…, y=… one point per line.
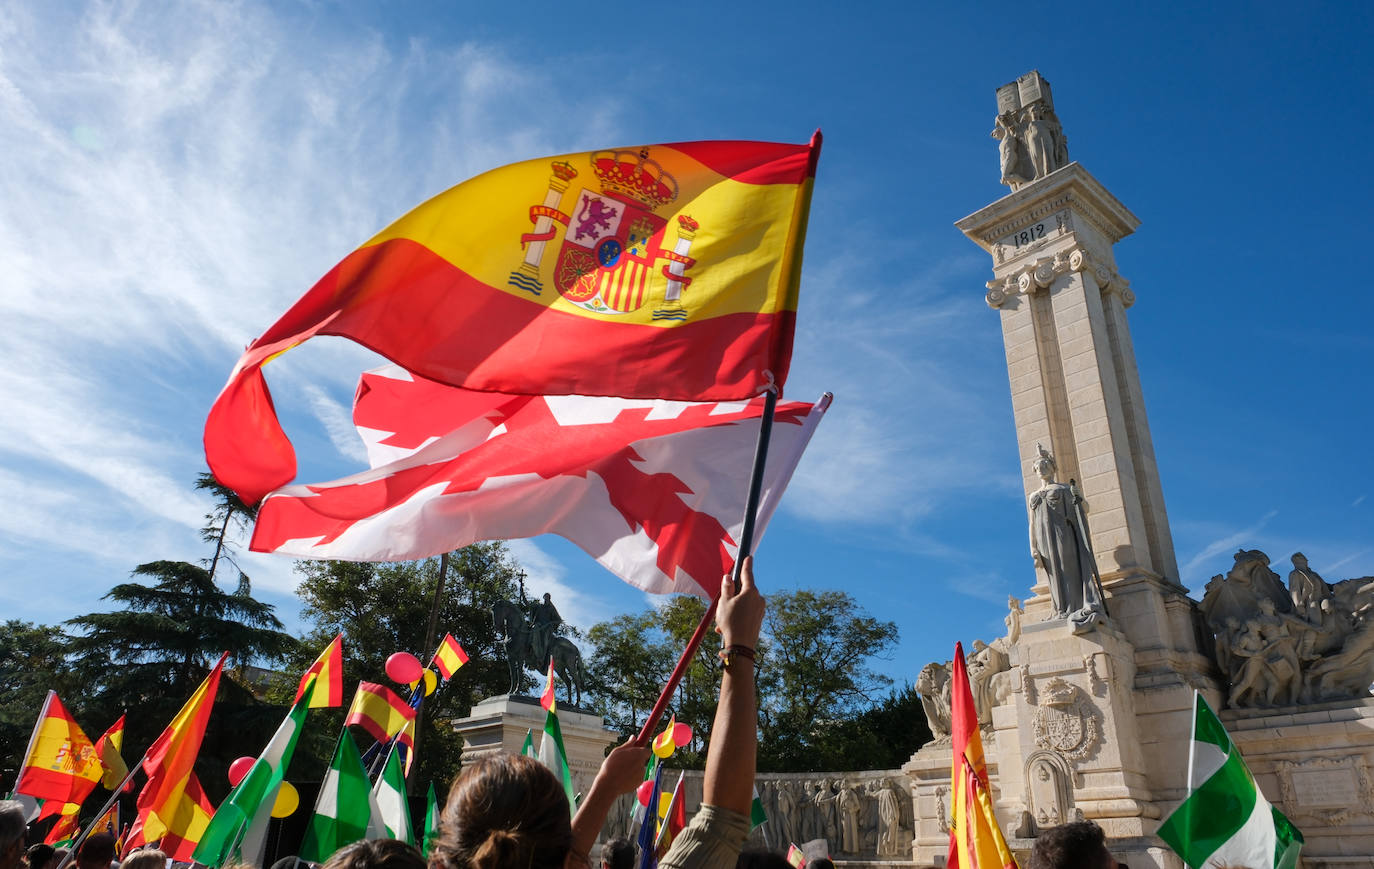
x=1097, y=694
x=1089, y=712
x=501, y=724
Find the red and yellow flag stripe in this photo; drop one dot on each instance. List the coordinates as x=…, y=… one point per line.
x=661, y=271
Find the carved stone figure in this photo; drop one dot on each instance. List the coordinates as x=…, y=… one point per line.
x=1306, y=588
x=1039, y=141
x=933, y=686
x=1030, y=140
x=985, y=663
x=1007, y=147
x=1349, y=672
x=786, y=814
x=1060, y=545
x=824, y=801
x=848, y=806
x=889, y=819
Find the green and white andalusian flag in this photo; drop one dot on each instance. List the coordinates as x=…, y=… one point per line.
x=553, y=755
x=1226, y=821
x=528, y=748
x=345, y=810
x=239, y=828
x=390, y=792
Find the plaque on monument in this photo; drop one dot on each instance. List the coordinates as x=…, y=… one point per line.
x=1325, y=788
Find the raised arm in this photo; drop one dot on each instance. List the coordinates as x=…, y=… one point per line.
x=620, y=773
x=730, y=759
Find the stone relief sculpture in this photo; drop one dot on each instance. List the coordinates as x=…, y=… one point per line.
x=1061, y=546
x=849, y=807
x=990, y=677
x=933, y=686
x=889, y=819
x=1311, y=642
x=1030, y=139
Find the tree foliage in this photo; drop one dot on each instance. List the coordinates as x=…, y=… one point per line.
x=31, y=662
x=819, y=645
x=384, y=608
x=150, y=655
x=632, y=657
x=816, y=683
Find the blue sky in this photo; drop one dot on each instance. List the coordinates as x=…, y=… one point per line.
x=175, y=175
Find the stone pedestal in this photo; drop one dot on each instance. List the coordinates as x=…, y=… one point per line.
x=500, y=724
x=1316, y=764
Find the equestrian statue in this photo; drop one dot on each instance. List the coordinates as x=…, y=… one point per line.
x=531, y=644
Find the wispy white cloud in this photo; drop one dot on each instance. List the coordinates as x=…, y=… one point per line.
x=1224, y=545
x=1358, y=501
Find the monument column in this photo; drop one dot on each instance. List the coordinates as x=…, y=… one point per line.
x=1096, y=719
x=1074, y=383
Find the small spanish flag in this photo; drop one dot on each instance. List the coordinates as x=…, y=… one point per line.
x=547, y=699
x=108, y=748
x=328, y=668
x=450, y=656
x=378, y=710
x=795, y=856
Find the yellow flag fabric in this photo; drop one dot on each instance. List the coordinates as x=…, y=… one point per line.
x=975, y=840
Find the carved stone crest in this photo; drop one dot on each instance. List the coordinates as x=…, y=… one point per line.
x=1066, y=721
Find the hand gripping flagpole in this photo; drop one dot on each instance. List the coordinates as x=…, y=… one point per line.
x=746, y=544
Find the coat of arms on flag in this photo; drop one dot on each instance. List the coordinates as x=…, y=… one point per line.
x=612, y=259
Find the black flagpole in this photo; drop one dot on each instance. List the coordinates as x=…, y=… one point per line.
x=746, y=545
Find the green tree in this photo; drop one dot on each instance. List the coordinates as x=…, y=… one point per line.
x=149, y=655
x=815, y=669
x=31, y=662
x=384, y=608
x=883, y=736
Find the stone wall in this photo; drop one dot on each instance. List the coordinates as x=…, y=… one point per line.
x=865, y=817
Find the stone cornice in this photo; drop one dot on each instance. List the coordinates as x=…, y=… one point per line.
x=1040, y=273
x=1071, y=187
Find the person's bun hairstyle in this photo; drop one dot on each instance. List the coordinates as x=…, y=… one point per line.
x=505, y=810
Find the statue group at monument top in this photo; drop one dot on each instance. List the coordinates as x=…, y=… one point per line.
x=1031, y=141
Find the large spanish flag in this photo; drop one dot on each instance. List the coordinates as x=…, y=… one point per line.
x=658, y=271
x=61, y=764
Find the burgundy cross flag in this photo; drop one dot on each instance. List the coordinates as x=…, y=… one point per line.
x=654, y=490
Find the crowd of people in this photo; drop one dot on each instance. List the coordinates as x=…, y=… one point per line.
x=510, y=811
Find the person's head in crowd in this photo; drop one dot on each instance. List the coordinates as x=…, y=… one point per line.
x=12, y=834
x=40, y=855
x=97, y=852
x=618, y=853
x=504, y=810
x=820, y=863
x=145, y=858
x=751, y=858
x=58, y=856
x=377, y=854
x=1077, y=845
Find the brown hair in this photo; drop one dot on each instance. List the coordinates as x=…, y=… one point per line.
x=1075, y=845
x=145, y=858
x=504, y=810
x=375, y=854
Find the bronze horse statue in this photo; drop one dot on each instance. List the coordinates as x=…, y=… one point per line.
x=567, y=660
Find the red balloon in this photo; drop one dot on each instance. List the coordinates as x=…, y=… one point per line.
x=403, y=667
x=239, y=768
